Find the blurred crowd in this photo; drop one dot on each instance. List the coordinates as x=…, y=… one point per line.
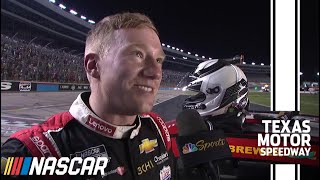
x=25, y=61
x=171, y=78
x=29, y=62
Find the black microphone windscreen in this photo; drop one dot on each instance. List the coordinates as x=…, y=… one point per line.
x=196, y=143
x=190, y=122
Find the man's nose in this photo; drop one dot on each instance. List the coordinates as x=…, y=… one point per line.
x=152, y=69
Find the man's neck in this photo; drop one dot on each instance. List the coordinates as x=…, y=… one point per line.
x=118, y=120
x=115, y=119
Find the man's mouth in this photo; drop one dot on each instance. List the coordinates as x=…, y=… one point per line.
x=145, y=88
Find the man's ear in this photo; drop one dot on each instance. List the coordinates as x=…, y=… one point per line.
x=91, y=65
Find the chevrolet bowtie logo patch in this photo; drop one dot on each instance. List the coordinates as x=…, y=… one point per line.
x=148, y=145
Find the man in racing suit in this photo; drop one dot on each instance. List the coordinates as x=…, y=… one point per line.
x=123, y=62
x=135, y=152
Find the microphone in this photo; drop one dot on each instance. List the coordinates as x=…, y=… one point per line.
x=199, y=147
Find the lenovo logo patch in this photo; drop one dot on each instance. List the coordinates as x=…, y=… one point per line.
x=100, y=126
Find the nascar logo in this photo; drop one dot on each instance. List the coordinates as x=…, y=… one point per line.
x=52, y=165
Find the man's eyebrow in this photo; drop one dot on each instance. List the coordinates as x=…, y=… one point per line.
x=162, y=54
x=132, y=46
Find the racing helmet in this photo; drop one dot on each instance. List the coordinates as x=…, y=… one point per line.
x=221, y=88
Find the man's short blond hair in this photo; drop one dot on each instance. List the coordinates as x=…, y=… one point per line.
x=100, y=36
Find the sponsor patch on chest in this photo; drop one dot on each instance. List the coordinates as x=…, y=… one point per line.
x=147, y=145
x=97, y=151
x=161, y=159
x=165, y=173
x=120, y=170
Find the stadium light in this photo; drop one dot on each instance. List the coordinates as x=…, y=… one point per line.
x=92, y=22
x=163, y=44
x=173, y=58
x=178, y=49
x=196, y=55
x=318, y=73
x=189, y=52
x=52, y=1
x=73, y=12
x=210, y=58
x=253, y=63
x=243, y=62
x=168, y=46
x=198, y=59
x=185, y=58
x=181, y=50
x=62, y=6
x=203, y=57
x=262, y=64
x=173, y=47
x=83, y=17
x=300, y=73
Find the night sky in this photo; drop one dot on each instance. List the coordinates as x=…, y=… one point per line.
x=217, y=29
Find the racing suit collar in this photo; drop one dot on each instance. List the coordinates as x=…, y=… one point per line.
x=82, y=113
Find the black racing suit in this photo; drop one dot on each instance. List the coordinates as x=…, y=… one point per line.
x=140, y=151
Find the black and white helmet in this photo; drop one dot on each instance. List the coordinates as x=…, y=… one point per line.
x=221, y=88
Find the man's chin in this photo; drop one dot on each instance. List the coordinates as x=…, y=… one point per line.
x=141, y=106
x=145, y=107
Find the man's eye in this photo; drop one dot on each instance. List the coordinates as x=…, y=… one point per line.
x=159, y=60
x=139, y=54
